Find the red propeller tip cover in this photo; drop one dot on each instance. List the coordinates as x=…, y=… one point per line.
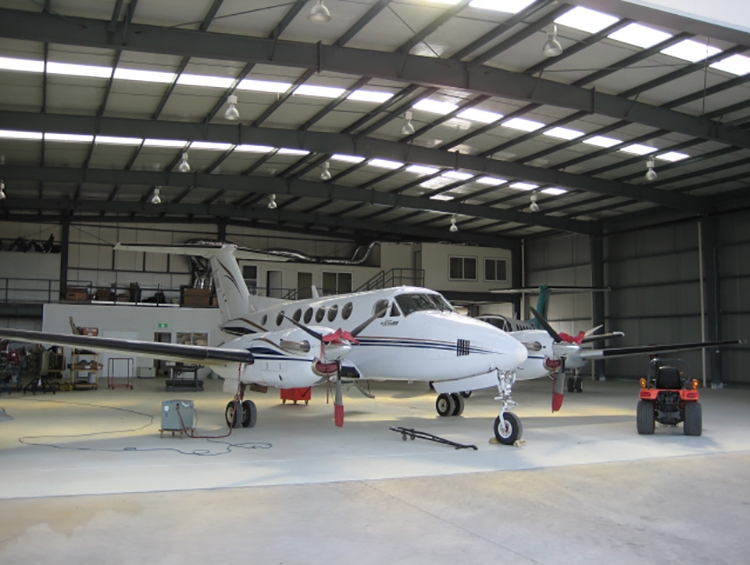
x=338, y=413
x=557, y=400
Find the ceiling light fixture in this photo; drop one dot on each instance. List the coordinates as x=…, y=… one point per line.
x=454, y=227
x=272, y=202
x=552, y=48
x=156, y=199
x=407, y=128
x=232, y=113
x=2, y=190
x=326, y=174
x=651, y=173
x=534, y=207
x=183, y=166
x=319, y=13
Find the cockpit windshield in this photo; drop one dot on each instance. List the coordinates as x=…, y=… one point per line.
x=420, y=302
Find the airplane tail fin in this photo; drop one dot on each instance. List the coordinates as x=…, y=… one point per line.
x=542, y=306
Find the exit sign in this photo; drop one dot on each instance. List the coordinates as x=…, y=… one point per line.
x=163, y=324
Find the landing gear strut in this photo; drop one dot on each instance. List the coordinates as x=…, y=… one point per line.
x=508, y=428
x=575, y=383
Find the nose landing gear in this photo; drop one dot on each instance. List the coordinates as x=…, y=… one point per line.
x=508, y=428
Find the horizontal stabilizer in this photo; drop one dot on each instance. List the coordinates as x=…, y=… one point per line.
x=206, y=250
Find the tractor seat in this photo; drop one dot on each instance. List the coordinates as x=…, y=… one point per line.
x=668, y=377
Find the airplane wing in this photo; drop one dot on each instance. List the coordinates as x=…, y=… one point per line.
x=623, y=351
x=194, y=354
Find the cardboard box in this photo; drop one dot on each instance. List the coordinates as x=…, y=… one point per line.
x=76, y=294
x=196, y=297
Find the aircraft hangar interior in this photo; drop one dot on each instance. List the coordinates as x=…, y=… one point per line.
x=306, y=281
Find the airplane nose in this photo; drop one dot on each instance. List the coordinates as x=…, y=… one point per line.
x=512, y=353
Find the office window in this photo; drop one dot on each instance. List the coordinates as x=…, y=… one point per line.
x=336, y=283
x=463, y=269
x=496, y=270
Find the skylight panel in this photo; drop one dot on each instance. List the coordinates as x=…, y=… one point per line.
x=638, y=149
x=144, y=76
x=109, y=140
x=68, y=138
x=319, y=91
x=25, y=135
x=456, y=175
x=736, y=64
x=691, y=50
x=524, y=186
x=554, y=191
x=347, y=158
x=422, y=170
x=164, y=143
x=299, y=152
x=490, y=181
x=248, y=148
x=585, y=19
x=203, y=80
x=523, y=124
x=506, y=6
x=602, y=141
x=23, y=65
x=385, y=164
x=210, y=145
x=370, y=96
x=640, y=35
x=264, y=86
x=71, y=69
x=563, y=133
x=435, y=106
x=482, y=116
x=672, y=156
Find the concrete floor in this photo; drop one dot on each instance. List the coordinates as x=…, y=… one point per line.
x=93, y=482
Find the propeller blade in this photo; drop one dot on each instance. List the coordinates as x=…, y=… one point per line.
x=599, y=337
x=360, y=328
x=592, y=330
x=553, y=334
x=338, y=405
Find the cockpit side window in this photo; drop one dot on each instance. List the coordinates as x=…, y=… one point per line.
x=394, y=310
x=421, y=302
x=381, y=307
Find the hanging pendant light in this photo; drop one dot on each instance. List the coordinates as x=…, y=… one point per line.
x=552, y=48
x=326, y=174
x=156, y=199
x=407, y=128
x=183, y=166
x=232, y=113
x=319, y=13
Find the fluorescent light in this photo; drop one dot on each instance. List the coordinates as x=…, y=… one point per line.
x=26, y=135
x=370, y=96
x=480, y=116
x=144, y=76
x=456, y=175
x=245, y=148
x=691, y=50
x=79, y=70
x=23, y=65
x=507, y=6
x=602, y=141
x=385, y=164
x=109, y=140
x=286, y=151
x=523, y=124
x=563, y=133
x=736, y=64
x=319, y=91
x=490, y=181
x=524, y=186
x=435, y=106
x=164, y=143
x=638, y=149
x=264, y=86
x=210, y=145
x=587, y=20
x=672, y=156
x=554, y=191
x=441, y=197
x=640, y=35
x=202, y=80
x=68, y=138
x=347, y=158
x=422, y=170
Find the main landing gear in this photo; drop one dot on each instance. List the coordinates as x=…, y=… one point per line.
x=575, y=383
x=241, y=412
x=450, y=404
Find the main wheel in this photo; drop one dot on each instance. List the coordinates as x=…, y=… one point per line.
x=459, y=401
x=693, y=425
x=445, y=405
x=509, y=429
x=578, y=384
x=644, y=420
x=249, y=414
x=571, y=384
x=232, y=415
x=466, y=393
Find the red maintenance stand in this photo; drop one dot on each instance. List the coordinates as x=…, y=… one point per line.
x=119, y=363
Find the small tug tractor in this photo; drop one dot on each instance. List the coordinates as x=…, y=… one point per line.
x=669, y=399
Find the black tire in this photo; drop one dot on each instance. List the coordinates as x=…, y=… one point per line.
x=231, y=415
x=645, y=418
x=511, y=432
x=578, y=384
x=466, y=393
x=445, y=405
x=459, y=402
x=571, y=384
x=693, y=425
x=249, y=414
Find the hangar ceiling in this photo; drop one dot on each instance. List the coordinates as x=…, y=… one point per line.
x=101, y=100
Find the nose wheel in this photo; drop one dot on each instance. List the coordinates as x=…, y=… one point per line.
x=508, y=428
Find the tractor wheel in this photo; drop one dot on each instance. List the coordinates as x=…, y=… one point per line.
x=510, y=432
x=693, y=425
x=645, y=417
